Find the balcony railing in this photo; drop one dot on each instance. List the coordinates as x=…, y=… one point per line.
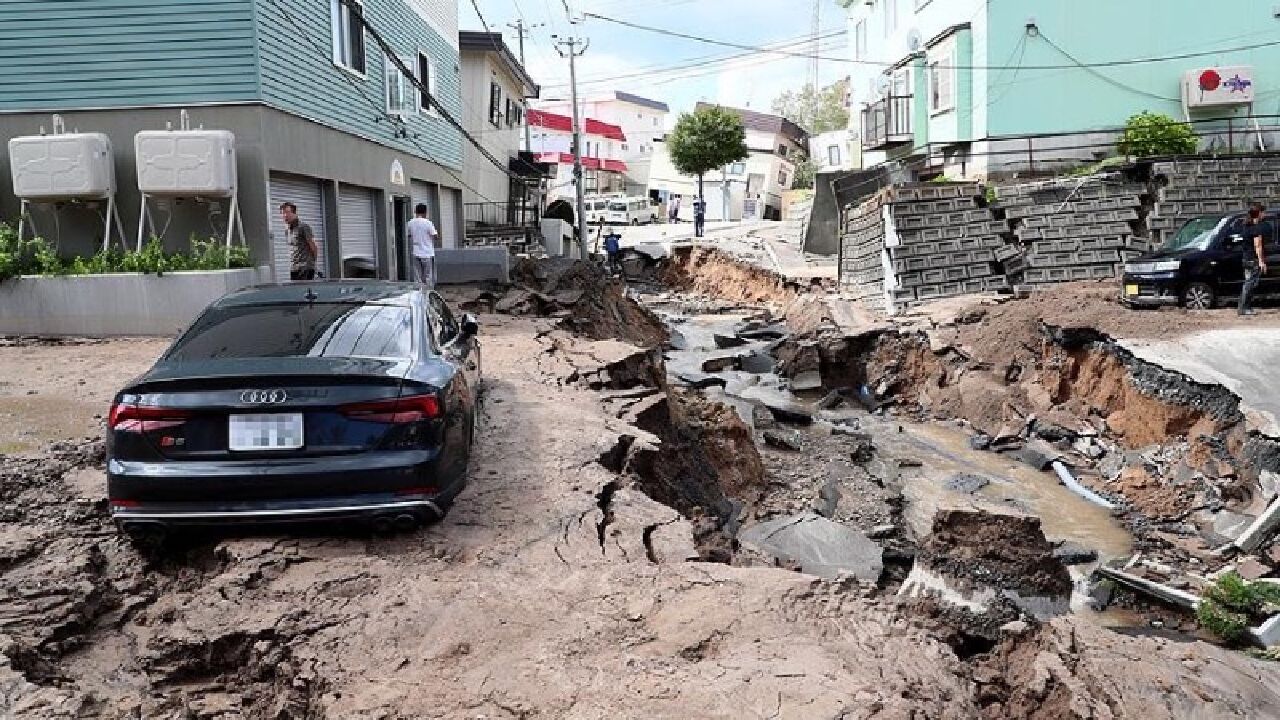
x=494, y=214
x=887, y=122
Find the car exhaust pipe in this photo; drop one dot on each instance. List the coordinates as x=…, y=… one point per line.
x=405, y=522
x=148, y=533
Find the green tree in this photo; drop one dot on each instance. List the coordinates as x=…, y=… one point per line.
x=705, y=140
x=1148, y=133
x=817, y=111
x=806, y=172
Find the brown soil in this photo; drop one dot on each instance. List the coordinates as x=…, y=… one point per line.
x=979, y=549
x=551, y=590
x=717, y=274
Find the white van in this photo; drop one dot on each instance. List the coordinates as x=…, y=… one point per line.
x=631, y=211
x=597, y=208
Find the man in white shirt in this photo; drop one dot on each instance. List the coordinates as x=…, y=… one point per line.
x=422, y=233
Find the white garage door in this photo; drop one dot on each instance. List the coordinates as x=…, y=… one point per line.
x=449, y=218
x=358, y=230
x=307, y=195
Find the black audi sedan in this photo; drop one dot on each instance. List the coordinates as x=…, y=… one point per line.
x=306, y=401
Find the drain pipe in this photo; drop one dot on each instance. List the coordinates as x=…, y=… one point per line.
x=1074, y=486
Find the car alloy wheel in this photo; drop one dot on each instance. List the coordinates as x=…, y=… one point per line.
x=1198, y=296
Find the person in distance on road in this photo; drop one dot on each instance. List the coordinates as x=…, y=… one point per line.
x=612, y=247
x=1253, y=249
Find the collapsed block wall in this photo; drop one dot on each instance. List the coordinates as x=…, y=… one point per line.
x=1190, y=187
x=1073, y=229
x=941, y=242
x=862, y=242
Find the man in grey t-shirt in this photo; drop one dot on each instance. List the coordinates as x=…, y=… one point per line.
x=302, y=244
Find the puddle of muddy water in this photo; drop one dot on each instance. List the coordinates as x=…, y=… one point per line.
x=944, y=451
x=941, y=449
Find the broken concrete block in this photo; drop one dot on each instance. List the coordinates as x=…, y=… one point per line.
x=720, y=364
x=981, y=441
x=783, y=440
x=1070, y=553
x=879, y=532
x=807, y=381
x=725, y=342
x=701, y=382
x=967, y=482
x=817, y=545
x=790, y=413
x=1251, y=569
x=1261, y=529
x=831, y=400
x=756, y=363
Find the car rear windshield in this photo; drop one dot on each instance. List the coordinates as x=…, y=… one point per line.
x=618, y=207
x=298, y=330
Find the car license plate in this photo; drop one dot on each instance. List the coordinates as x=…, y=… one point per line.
x=281, y=431
x=1131, y=290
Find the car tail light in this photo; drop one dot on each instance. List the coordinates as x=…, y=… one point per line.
x=398, y=411
x=127, y=417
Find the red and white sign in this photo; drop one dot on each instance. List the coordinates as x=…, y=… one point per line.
x=1210, y=87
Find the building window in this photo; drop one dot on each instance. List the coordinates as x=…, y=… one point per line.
x=941, y=95
x=860, y=40
x=782, y=178
x=624, y=147
x=400, y=95
x=427, y=76
x=495, y=104
x=890, y=17
x=347, y=22
x=833, y=155
x=655, y=122
x=738, y=169
x=782, y=150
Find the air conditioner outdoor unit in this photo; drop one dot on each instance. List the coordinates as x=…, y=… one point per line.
x=1216, y=86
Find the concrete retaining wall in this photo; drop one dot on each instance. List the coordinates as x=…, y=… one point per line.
x=472, y=265
x=128, y=304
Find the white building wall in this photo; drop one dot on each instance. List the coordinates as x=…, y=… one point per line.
x=642, y=126
x=441, y=15
x=503, y=142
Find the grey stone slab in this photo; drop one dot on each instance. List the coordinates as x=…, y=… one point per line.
x=817, y=545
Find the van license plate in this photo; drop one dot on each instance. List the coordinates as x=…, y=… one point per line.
x=281, y=431
x=1131, y=290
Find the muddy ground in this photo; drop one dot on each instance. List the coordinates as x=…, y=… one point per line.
x=558, y=587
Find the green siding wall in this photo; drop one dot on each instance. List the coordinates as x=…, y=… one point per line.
x=125, y=53
x=298, y=74
x=1035, y=101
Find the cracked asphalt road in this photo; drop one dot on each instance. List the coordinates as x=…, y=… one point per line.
x=515, y=606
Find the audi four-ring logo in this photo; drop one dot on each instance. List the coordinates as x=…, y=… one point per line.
x=264, y=397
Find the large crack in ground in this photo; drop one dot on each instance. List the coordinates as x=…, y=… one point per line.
x=566, y=565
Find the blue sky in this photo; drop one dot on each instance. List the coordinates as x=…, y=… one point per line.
x=751, y=81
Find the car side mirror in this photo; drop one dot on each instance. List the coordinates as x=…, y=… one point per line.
x=470, y=326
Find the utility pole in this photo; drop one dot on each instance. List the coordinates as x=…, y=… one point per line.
x=522, y=32
x=817, y=33
x=573, y=48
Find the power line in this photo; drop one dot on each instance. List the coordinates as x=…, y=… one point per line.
x=806, y=56
x=1102, y=76
x=297, y=26
x=390, y=55
x=705, y=61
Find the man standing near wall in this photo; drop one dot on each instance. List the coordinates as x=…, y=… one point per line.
x=422, y=233
x=1254, y=254
x=302, y=241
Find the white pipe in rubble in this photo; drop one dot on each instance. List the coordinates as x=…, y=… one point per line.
x=1074, y=486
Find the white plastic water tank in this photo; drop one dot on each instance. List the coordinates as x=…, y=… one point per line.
x=186, y=162
x=66, y=166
